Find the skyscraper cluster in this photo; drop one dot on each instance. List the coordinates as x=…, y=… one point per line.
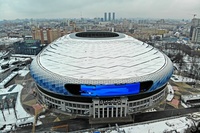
x=108, y=17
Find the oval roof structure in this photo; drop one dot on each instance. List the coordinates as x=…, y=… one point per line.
x=108, y=57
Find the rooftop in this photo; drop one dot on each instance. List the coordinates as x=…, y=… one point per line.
x=101, y=58
x=12, y=92
x=8, y=40
x=178, y=124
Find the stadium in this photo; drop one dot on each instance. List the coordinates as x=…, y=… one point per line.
x=100, y=75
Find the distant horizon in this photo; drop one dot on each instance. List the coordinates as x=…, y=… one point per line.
x=137, y=18
x=173, y=9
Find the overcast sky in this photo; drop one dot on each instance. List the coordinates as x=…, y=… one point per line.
x=181, y=9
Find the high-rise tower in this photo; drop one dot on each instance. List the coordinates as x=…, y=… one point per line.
x=195, y=30
x=113, y=17
x=105, y=16
x=109, y=16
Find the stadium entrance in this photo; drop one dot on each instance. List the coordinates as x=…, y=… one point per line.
x=109, y=108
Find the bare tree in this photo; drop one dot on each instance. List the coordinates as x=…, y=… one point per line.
x=7, y=103
x=2, y=108
x=13, y=101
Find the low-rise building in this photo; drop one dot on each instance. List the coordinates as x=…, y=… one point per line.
x=191, y=100
x=28, y=47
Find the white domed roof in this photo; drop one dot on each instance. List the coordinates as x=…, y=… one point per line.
x=105, y=58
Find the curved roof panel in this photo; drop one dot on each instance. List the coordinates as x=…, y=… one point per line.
x=107, y=58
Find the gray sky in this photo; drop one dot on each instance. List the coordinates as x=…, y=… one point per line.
x=181, y=9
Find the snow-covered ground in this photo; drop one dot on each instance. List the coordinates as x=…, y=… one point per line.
x=13, y=62
x=6, y=80
x=151, y=110
x=23, y=72
x=178, y=78
x=21, y=113
x=11, y=120
x=177, y=125
x=172, y=125
x=24, y=56
x=170, y=92
x=9, y=40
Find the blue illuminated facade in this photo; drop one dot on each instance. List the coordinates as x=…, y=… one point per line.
x=110, y=90
x=163, y=80
x=107, y=90
x=47, y=84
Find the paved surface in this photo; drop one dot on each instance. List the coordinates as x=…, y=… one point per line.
x=27, y=97
x=126, y=119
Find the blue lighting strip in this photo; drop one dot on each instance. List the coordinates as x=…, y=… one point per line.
x=110, y=90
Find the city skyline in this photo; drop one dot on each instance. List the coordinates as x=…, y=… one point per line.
x=175, y=9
